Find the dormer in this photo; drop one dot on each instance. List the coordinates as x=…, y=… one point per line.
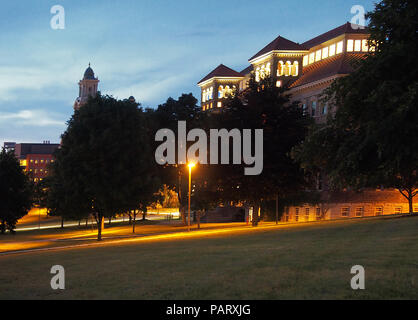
x=218, y=85
x=280, y=59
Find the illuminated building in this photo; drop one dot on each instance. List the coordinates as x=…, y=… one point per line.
x=35, y=158
x=307, y=69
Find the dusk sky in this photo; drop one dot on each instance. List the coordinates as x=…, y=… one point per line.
x=149, y=49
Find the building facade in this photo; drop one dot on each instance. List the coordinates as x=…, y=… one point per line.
x=307, y=69
x=34, y=158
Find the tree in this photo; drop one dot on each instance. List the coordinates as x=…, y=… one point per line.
x=105, y=160
x=369, y=139
x=264, y=106
x=15, y=192
x=167, y=115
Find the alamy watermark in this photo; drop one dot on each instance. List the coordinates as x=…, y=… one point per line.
x=58, y=280
x=198, y=152
x=358, y=281
x=358, y=21
x=58, y=20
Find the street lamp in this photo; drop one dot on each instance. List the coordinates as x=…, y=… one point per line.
x=190, y=165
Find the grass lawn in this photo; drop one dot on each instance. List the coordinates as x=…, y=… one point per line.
x=308, y=261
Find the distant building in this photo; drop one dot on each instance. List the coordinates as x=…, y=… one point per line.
x=34, y=158
x=88, y=87
x=9, y=146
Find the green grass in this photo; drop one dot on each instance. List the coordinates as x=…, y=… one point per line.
x=305, y=262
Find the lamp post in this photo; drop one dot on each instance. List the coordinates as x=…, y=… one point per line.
x=190, y=165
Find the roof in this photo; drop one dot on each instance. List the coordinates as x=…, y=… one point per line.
x=345, y=28
x=247, y=70
x=341, y=64
x=279, y=43
x=23, y=149
x=221, y=71
x=89, y=74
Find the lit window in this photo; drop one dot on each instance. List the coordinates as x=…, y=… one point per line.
x=297, y=215
x=378, y=211
x=227, y=91
x=332, y=50
x=398, y=210
x=307, y=214
x=36, y=161
x=359, y=211
x=268, y=69
x=295, y=69
x=280, y=69
x=364, y=45
x=219, y=104
x=340, y=46
x=357, y=45
x=325, y=53
x=31, y=160
x=278, y=83
x=288, y=68
x=350, y=45
x=415, y=209
x=318, y=55
x=312, y=58
x=211, y=105
x=220, y=92
x=23, y=163
x=345, y=211
x=305, y=60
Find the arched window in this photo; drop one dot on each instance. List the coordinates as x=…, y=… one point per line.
x=268, y=69
x=227, y=91
x=295, y=69
x=220, y=92
x=280, y=69
x=257, y=74
x=288, y=68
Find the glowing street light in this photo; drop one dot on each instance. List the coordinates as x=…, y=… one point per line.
x=190, y=165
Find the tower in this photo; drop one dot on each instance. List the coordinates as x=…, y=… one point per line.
x=87, y=87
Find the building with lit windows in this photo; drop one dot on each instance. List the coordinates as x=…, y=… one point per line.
x=307, y=69
x=34, y=158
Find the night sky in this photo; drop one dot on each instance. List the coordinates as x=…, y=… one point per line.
x=149, y=49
